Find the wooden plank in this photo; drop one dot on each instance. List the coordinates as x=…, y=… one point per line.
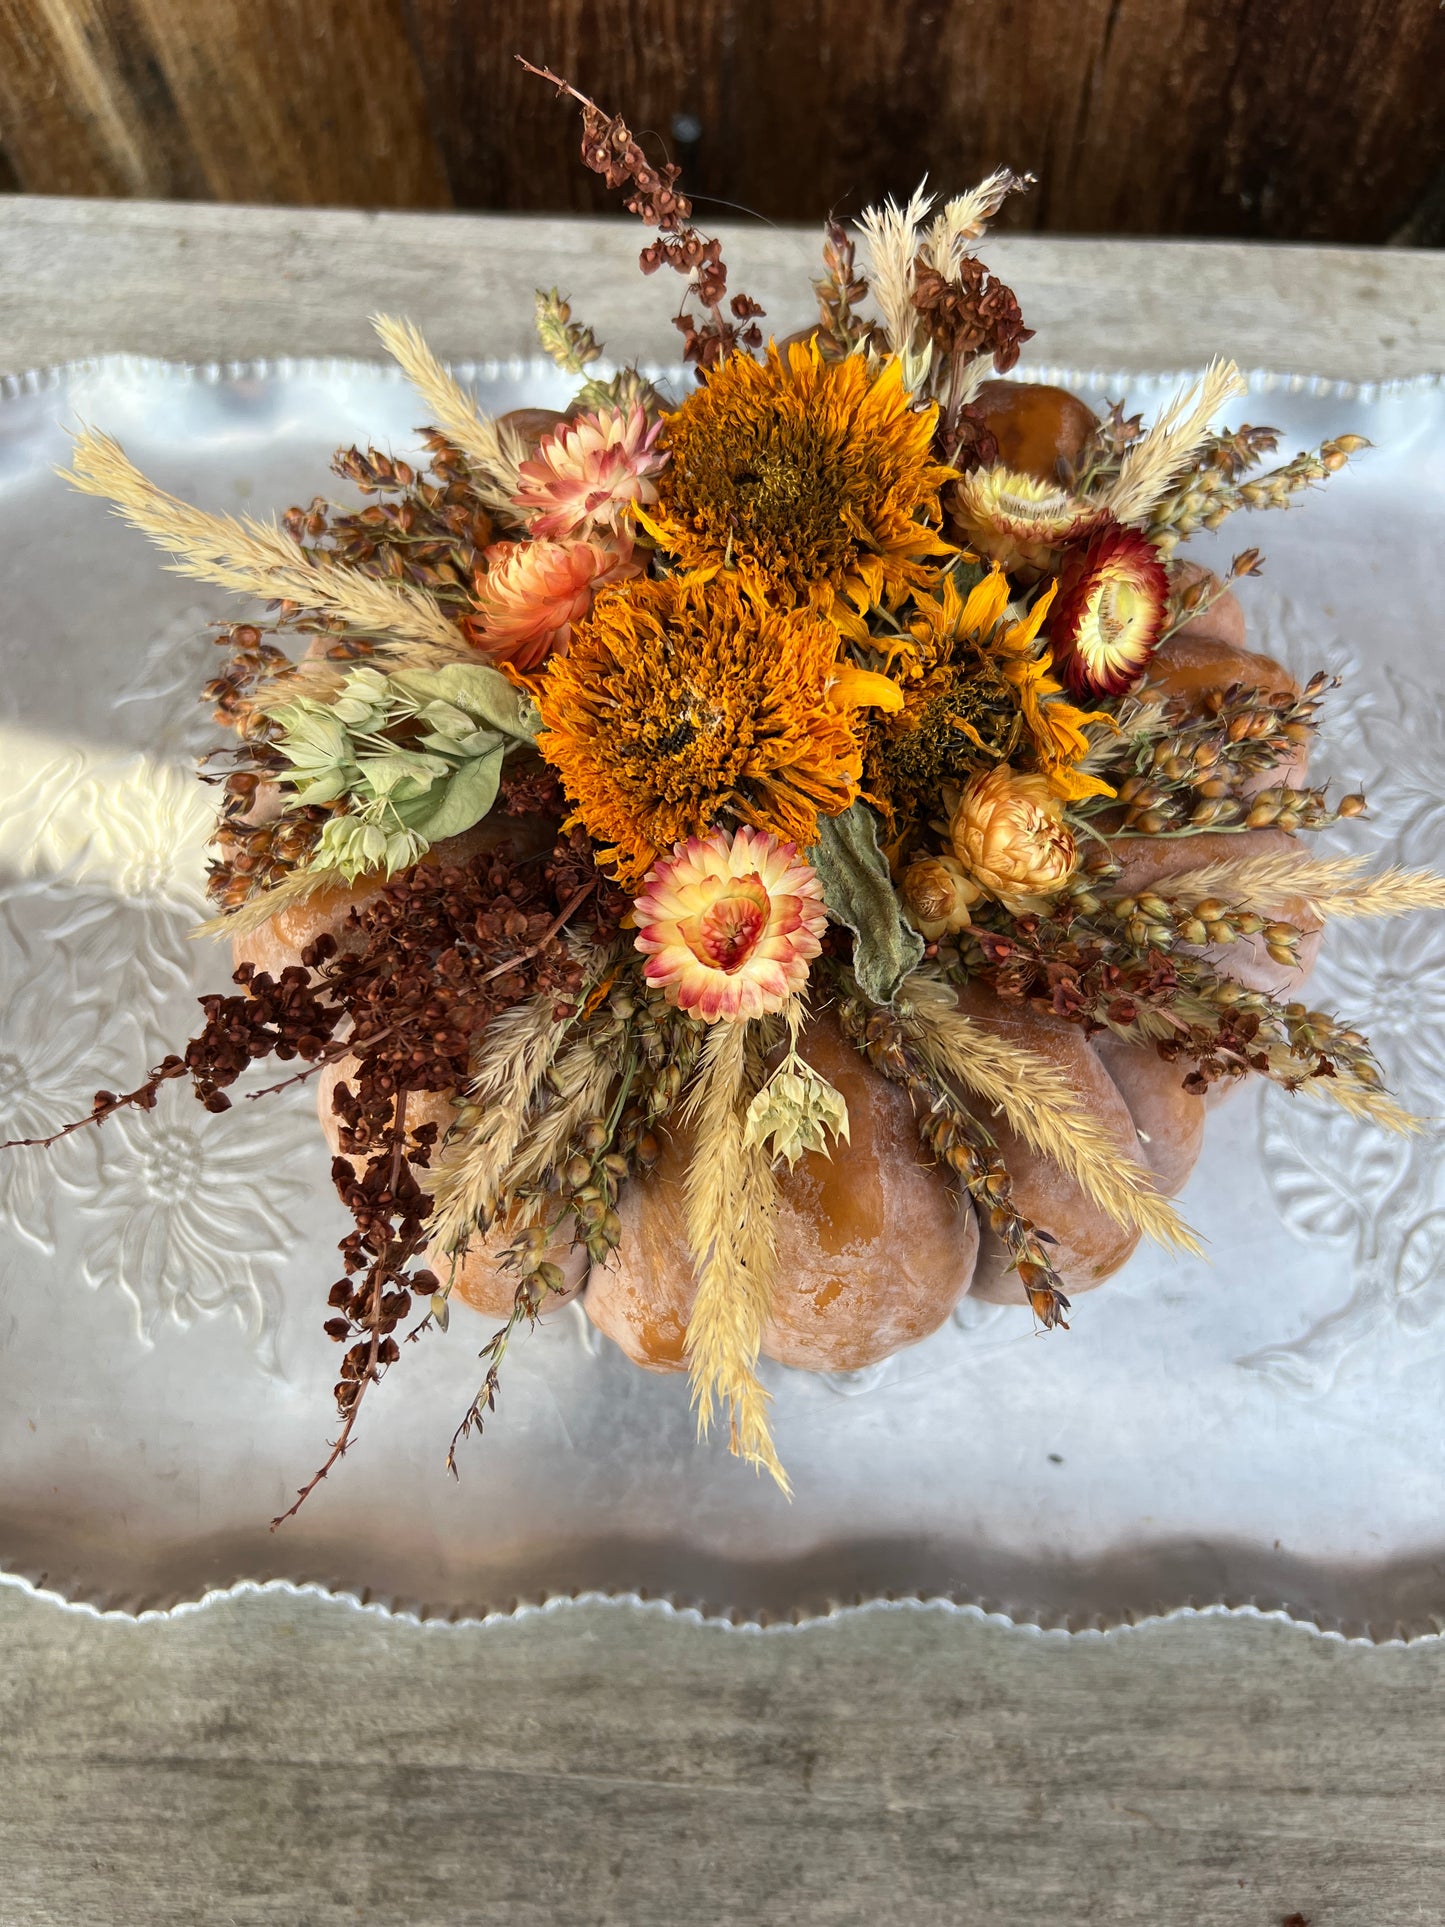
x=1284, y=118
x=84, y=106
x=207, y=283
x=1287, y=118
x=295, y=101
x=293, y=1760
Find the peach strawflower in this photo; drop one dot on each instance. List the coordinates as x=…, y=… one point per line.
x=533, y=592
x=729, y=924
x=587, y=473
x=1009, y=834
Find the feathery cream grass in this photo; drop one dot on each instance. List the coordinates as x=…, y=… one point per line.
x=250, y=915
x=494, y=451
x=730, y=1201
x=962, y=221
x=254, y=558
x=1043, y=1108
x=1330, y=886
x=892, y=237
x=468, y=1175
x=1172, y=443
x=1364, y=1101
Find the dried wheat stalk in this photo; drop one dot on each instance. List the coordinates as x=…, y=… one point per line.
x=730, y=1199
x=1330, y=886
x=1045, y=1110
x=255, y=558
x=468, y=1175
x=493, y=450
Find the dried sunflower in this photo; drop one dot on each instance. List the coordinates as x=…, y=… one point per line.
x=812, y=479
x=976, y=687
x=684, y=705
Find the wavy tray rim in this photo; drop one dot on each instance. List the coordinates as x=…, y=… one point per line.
x=50, y=377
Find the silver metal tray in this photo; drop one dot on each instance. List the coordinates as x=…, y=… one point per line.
x=1258, y=1429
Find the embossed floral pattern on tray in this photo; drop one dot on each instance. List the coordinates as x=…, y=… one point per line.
x=1262, y=1428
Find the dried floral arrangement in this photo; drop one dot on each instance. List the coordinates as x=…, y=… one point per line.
x=674, y=812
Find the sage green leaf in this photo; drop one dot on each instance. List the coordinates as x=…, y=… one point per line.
x=859, y=892
x=454, y=805
x=477, y=688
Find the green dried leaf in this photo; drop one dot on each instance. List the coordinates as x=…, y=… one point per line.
x=479, y=690
x=859, y=893
x=454, y=805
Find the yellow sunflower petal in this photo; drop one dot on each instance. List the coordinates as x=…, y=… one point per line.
x=855, y=688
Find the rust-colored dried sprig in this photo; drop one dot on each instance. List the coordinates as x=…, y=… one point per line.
x=960, y=1144
x=609, y=148
x=1102, y=982
x=970, y=313
x=1092, y=978
x=839, y=291
x=253, y=849
x=428, y=964
x=1101, y=970
x=431, y=536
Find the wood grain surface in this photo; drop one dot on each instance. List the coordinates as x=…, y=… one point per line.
x=275, y=1762
x=1289, y=119
x=207, y=283
x=295, y=101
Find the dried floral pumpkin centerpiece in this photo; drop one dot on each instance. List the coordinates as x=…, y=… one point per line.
x=679, y=809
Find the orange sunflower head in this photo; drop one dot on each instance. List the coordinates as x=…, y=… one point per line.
x=684, y=705
x=813, y=479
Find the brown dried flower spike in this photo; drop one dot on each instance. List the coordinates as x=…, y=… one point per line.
x=610, y=149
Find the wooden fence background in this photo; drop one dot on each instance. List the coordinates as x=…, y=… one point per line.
x=1286, y=119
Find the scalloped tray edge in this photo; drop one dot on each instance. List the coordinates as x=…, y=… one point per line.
x=37, y=381
x=671, y=1607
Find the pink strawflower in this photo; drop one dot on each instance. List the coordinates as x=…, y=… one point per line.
x=532, y=593
x=587, y=473
x=729, y=924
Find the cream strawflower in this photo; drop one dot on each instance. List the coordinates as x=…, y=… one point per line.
x=729, y=924
x=587, y=473
x=533, y=592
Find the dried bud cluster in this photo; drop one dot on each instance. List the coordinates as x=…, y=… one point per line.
x=970, y=312
x=1193, y=775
